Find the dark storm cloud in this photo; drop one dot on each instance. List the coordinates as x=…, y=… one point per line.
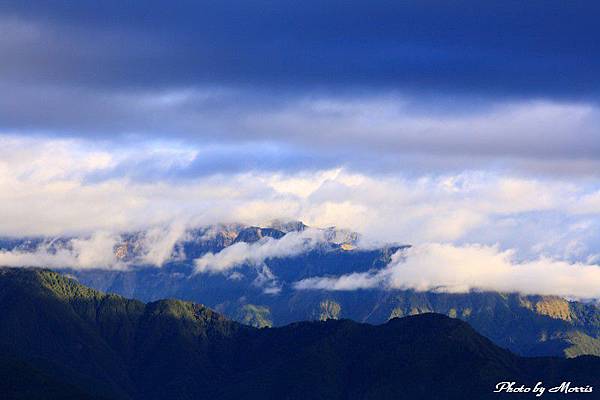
x=495, y=48
x=305, y=85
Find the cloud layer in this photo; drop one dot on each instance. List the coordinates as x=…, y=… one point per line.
x=100, y=250
x=227, y=131
x=459, y=269
x=94, y=252
x=286, y=86
x=257, y=253
x=50, y=187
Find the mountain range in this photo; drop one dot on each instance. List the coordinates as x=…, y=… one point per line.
x=62, y=340
x=262, y=294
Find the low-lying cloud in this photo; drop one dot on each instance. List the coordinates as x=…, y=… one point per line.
x=94, y=252
x=257, y=253
x=158, y=244
x=101, y=250
x=459, y=269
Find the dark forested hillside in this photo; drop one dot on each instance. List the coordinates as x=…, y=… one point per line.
x=69, y=341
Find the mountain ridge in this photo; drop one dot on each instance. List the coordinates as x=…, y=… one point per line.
x=261, y=293
x=113, y=347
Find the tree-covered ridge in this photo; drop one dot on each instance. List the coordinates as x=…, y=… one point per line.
x=89, y=344
x=528, y=325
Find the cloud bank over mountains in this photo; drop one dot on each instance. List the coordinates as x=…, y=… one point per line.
x=238, y=254
x=47, y=187
x=426, y=267
x=96, y=251
x=459, y=269
x=100, y=250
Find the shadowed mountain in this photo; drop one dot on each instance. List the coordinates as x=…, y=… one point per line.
x=74, y=340
x=262, y=294
x=527, y=325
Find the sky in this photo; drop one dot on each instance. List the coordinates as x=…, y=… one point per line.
x=425, y=122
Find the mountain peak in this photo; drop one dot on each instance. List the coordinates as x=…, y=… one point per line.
x=288, y=226
x=254, y=234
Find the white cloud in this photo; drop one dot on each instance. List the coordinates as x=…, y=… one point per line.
x=94, y=252
x=457, y=269
x=256, y=253
x=98, y=251
x=158, y=243
x=353, y=281
x=46, y=189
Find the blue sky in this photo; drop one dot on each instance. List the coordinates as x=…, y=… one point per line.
x=462, y=123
